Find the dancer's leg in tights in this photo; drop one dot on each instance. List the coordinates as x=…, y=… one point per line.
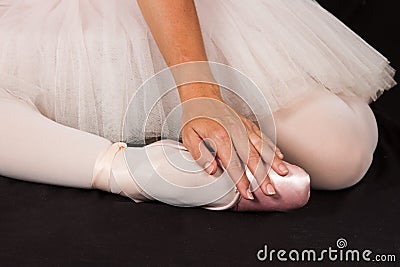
x=332, y=137
x=34, y=148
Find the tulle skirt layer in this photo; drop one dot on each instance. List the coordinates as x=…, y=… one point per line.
x=80, y=61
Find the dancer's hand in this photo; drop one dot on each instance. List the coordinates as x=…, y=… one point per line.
x=236, y=140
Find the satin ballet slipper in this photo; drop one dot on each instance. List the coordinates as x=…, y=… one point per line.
x=162, y=171
x=178, y=180
x=292, y=192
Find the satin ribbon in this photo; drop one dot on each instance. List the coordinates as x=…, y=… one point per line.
x=102, y=167
x=124, y=179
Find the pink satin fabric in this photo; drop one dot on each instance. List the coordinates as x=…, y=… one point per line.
x=292, y=192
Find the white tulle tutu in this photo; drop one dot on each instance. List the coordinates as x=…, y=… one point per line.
x=79, y=61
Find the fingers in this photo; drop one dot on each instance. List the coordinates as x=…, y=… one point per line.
x=278, y=152
x=258, y=132
x=243, y=186
x=247, y=145
x=264, y=145
x=268, y=154
x=248, y=154
x=257, y=167
x=267, y=188
x=232, y=163
x=200, y=153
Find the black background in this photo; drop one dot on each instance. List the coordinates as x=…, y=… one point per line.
x=50, y=225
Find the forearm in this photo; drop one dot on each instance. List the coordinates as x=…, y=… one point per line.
x=176, y=30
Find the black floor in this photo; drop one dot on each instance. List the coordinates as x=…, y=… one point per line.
x=49, y=225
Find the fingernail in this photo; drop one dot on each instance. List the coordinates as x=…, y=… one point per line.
x=270, y=189
x=283, y=168
x=280, y=155
x=249, y=194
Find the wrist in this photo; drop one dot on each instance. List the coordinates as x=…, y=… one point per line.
x=196, y=90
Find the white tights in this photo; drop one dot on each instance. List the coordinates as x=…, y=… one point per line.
x=332, y=137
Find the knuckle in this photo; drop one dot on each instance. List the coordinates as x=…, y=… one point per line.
x=244, y=183
x=257, y=142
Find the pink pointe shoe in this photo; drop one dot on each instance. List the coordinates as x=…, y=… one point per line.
x=161, y=171
x=292, y=192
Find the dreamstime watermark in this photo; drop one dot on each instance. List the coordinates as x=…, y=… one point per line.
x=338, y=253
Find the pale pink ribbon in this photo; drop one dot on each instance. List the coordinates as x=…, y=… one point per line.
x=102, y=167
